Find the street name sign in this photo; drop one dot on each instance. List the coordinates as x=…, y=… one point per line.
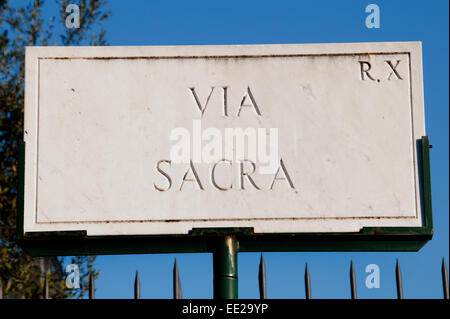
x=279, y=143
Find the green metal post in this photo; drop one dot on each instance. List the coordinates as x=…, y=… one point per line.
x=225, y=268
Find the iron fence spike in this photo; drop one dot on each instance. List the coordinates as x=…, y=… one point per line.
x=444, y=279
x=262, y=278
x=307, y=283
x=45, y=294
x=398, y=275
x=137, y=286
x=353, y=281
x=91, y=286
x=177, y=290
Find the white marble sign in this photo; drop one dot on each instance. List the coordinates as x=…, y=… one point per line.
x=281, y=138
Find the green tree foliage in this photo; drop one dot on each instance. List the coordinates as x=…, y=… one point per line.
x=21, y=275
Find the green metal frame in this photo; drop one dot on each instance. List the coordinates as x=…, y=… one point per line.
x=200, y=240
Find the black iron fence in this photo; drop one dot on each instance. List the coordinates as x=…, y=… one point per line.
x=178, y=292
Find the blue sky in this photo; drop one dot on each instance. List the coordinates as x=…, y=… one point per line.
x=140, y=22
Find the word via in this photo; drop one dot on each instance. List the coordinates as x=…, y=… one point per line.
x=248, y=100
